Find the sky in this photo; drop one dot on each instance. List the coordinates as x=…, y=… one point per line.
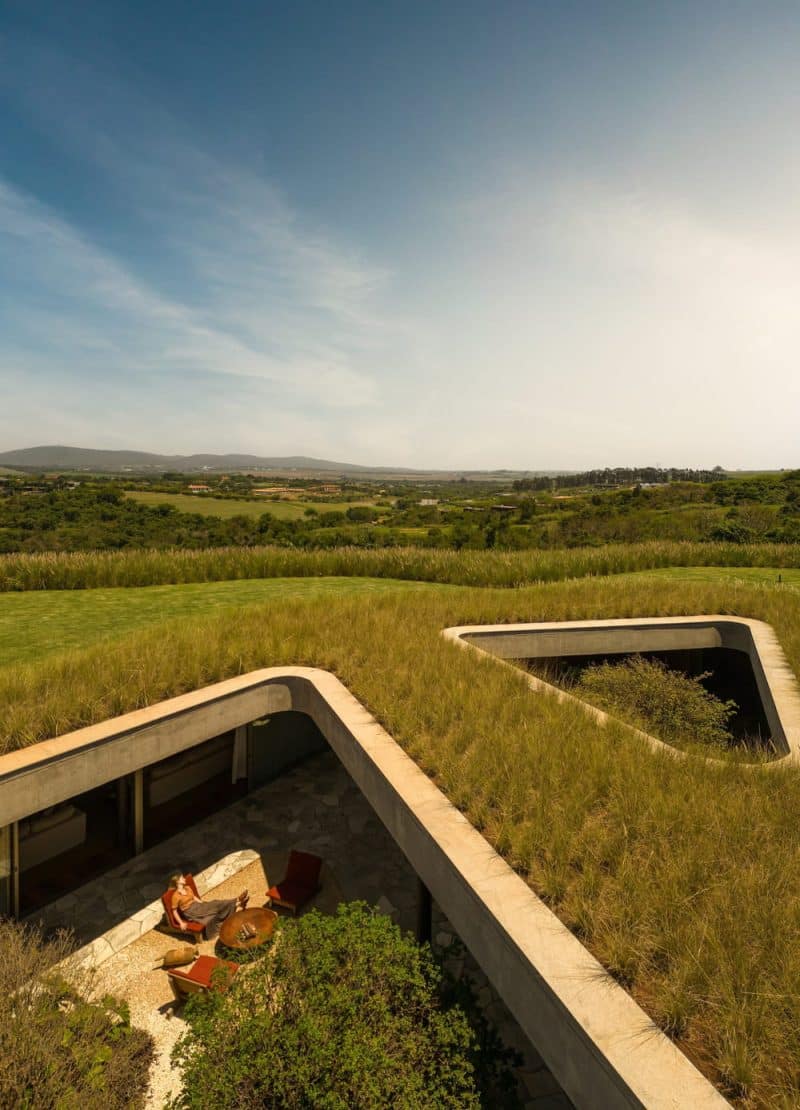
x=454, y=234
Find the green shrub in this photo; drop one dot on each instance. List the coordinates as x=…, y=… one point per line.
x=344, y=1012
x=494, y=1061
x=56, y=1048
x=671, y=705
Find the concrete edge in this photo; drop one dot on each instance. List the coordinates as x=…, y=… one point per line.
x=597, y=1041
x=776, y=681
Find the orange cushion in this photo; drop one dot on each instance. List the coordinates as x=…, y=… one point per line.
x=204, y=968
x=166, y=898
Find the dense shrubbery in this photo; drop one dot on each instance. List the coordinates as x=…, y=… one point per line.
x=620, y=476
x=103, y=519
x=345, y=1013
x=672, y=706
x=96, y=515
x=56, y=1049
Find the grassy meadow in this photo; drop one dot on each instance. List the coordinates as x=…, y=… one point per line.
x=228, y=507
x=38, y=623
x=754, y=576
x=680, y=875
x=79, y=570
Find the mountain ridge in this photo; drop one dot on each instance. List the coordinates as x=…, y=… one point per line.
x=61, y=457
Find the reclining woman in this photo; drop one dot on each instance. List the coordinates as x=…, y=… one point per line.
x=187, y=907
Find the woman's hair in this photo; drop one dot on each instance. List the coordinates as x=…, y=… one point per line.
x=175, y=879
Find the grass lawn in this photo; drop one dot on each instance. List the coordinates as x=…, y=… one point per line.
x=219, y=506
x=750, y=576
x=36, y=623
x=42, y=622
x=681, y=876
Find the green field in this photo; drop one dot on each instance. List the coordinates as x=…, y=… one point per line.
x=37, y=623
x=750, y=576
x=43, y=622
x=222, y=507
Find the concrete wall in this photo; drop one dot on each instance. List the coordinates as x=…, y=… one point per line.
x=55, y=770
x=777, y=685
x=598, y=1043
x=278, y=742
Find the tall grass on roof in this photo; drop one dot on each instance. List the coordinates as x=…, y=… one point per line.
x=681, y=876
x=88, y=569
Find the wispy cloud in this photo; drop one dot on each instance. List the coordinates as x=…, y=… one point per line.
x=228, y=280
x=267, y=303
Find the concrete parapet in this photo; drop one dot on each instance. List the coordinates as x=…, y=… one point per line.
x=777, y=685
x=600, y=1045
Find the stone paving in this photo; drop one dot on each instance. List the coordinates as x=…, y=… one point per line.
x=315, y=807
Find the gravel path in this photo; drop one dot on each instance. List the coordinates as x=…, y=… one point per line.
x=133, y=974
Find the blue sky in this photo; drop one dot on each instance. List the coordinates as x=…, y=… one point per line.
x=526, y=235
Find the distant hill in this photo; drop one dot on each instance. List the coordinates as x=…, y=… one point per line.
x=86, y=458
x=111, y=462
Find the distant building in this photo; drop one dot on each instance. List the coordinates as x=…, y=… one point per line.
x=427, y=502
x=196, y=488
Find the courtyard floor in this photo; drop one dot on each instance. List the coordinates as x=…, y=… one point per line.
x=315, y=807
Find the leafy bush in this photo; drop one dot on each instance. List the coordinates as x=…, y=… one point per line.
x=56, y=1048
x=673, y=706
x=494, y=1061
x=344, y=1012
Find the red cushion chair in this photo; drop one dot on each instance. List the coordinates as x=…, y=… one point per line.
x=192, y=928
x=301, y=882
x=207, y=973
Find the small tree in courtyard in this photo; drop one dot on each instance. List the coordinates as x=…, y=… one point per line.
x=673, y=706
x=343, y=1013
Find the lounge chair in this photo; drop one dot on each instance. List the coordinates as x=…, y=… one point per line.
x=192, y=928
x=207, y=973
x=300, y=884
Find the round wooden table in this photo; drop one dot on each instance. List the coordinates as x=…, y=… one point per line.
x=259, y=918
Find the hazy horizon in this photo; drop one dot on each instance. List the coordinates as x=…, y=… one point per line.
x=375, y=464
x=451, y=236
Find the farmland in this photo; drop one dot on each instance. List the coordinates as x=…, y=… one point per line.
x=230, y=507
x=54, y=513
